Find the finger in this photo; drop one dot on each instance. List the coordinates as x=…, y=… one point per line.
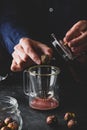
x=76, y=30
x=20, y=51
x=17, y=58
x=79, y=40
x=15, y=67
x=19, y=67
x=29, y=50
x=72, y=33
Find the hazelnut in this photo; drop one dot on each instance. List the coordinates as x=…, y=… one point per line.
x=2, y=124
x=13, y=125
x=51, y=120
x=69, y=116
x=71, y=123
x=5, y=128
x=8, y=120
x=45, y=59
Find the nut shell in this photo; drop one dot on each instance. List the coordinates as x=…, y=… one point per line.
x=71, y=123
x=5, y=128
x=51, y=119
x=45, y=59
x=8, y=120
x=13, y=125
x=69, y=116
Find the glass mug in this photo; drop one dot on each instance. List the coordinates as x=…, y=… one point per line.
x=40, y=83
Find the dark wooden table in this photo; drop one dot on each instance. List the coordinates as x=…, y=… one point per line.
x=73, y=98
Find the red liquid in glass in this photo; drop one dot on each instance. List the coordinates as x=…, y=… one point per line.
x=44, y=103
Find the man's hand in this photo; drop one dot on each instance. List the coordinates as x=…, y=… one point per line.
x=27, y=53
x=76, y=38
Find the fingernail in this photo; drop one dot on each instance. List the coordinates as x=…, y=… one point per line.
x=38, y=61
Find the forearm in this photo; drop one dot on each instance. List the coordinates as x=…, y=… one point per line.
x=11, y=34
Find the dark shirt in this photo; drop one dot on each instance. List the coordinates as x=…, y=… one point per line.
x=38, y=19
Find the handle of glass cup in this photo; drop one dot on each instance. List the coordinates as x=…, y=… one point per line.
x=26, y=82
